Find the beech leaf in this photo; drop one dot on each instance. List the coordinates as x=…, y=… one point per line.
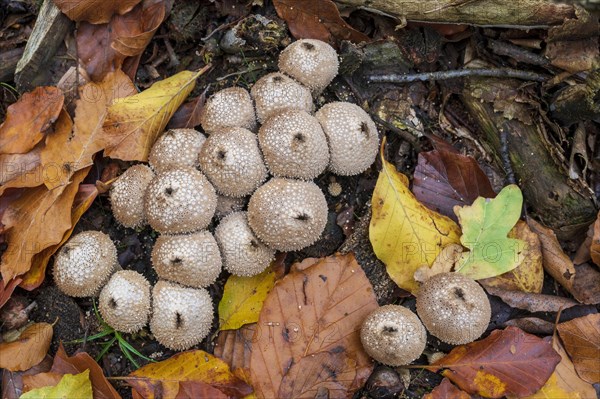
x=70, y=386
x=485, y=226
x=581, y=337
x=94, y=11
x=446, y=390
x=28, y=350
x=404, y=233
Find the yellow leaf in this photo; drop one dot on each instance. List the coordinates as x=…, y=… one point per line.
x=70, y=386
x=405, y=234
x=243, y=298
x=165, y=379
x=28, y=350
x=134, y=122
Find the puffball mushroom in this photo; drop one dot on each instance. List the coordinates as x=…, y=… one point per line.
x=287, y=214
x=176, y=147
x=231, y=107
x=276, y=92
x=125, y=301
x=294, y=145
x=180, y=200
x=232, y=161
x=193, y=260
x=181, y=317
x=311, y=62
x=352, y=136
x=127, y=195
x=454, y=308
x=85, y=263
x=393, y=335
x=243, y=253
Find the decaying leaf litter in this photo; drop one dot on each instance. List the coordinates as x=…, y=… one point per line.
x=507, y=112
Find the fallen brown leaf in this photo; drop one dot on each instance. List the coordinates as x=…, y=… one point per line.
x=28, y=350
x=595, y=246
x=28, y=119
x=21, y=170
x=188, y=115
x=581, y=337
x=443, y=263
x=316, y=19
x=308, y=332
x=530, y=301
x=6, y=290
x=507, y=362
x=12, y=381
x=444, y=179
x=447, y=390
x=234, y=347
x=532, y=325
x=94, y=11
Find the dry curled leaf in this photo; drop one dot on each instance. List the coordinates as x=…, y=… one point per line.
x=94, y=11
x=595, y=246
x=581, y=337
x=28, y=350
x=447, y=390
x=530, y=301
x=316, y=19
x=507, y=362
x=308, y=332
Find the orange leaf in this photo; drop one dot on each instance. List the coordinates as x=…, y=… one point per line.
x=507, y=362
x=27, y=119
x=308, y=331
x=581, y=337
x=316, y=19
x=94, y=11
x=28, y=350
x=595, y=246
x=164, y=379
x=22, y=170
x=446, y=390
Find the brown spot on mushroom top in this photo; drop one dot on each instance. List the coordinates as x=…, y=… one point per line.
x=311, y=62
x=180, y=200
x=454, y=308
x=287, y=214
x=231, y=107
x=276, y=92
x=127, y=195
x=176, y=147
x=232, y=161
x=294, y=145
x=125, y=301
x=352, y=136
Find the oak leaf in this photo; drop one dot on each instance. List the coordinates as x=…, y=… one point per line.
x=133, y=123
x=28, y=350
x=94, y=11
x=507, y=362
x=581, y=337
x=308, y=332
x=404, y=233
x=69, y=386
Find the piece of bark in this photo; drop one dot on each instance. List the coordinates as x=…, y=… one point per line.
x=48, y=33
x=512, y=132
x=578, y=102
x=8, y=63
x=502, y=13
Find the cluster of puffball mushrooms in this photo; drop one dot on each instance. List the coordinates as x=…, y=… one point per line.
x=267, y=145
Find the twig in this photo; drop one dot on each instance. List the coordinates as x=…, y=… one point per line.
x=401, y=132
x=454, y=74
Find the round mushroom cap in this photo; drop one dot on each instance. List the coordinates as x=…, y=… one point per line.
x=294, y=145
x=232, y=161
x=243, y=253
x=125, y=301
x=454, y=308
x=127, y=195
x=231, y=107
x=181, y=317
x=286, y=214
x=311, y=62
x=227, y=205
x=193, y=260
x=393, y=335
x=85, y=263
x=275, y=92
x=176, y=147
x=180, y=200
x=352, y=136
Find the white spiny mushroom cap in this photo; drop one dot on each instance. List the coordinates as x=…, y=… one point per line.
x=125, y=301
x=393, y=335
x=227, y=205
x=294, y=145
x=275, y=92
x=181, y=317
x=454, y=308
x=352, y=136
x=243, y=253
x=180, y=200
x=85, y=263
x=176, y=147
x=311, y=62
x=127, y=195
x=286, y=214
x=231, y=107
x=232, y=161
x=193, y=259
